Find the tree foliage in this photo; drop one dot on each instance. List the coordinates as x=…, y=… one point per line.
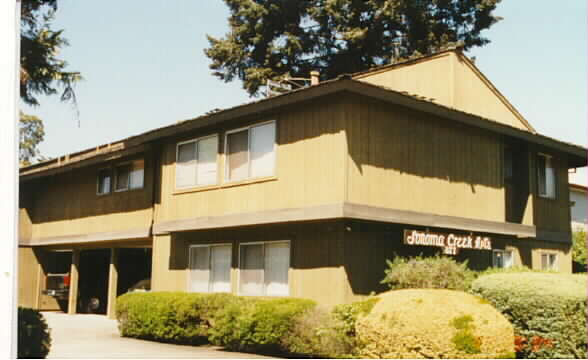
x=269, y=39
x=41, y=70
x=580, y=243
x=31, y=133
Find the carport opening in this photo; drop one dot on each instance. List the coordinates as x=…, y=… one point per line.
x=134, y=270
x=93, y=281
x=56, y=267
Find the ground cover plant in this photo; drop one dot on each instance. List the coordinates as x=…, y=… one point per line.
x=434, y=323
x=34, y=339
x=548, y=311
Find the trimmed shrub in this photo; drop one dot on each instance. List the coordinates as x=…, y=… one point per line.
x=316, y=333
x=34, y=339
x=434, y=323
x=257, y=324
x=437, y=272
x=547, y=310
x=176, y=317
x=324, y=334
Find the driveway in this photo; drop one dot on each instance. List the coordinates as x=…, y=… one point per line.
x=95, y=336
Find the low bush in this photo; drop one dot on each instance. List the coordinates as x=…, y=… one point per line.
x=434, y=323
x=439, y=272
x=177, y=317
x=324, y=334
x=548, y=311
x=34, y=339
x=257, y=324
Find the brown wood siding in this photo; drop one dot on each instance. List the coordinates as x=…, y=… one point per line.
x=552, y=214
x=309, y=168
x=28, y=277
x=67, y=204
x=316, y=257
x=405, y=160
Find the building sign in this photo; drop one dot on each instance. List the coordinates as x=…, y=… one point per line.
x=450, y=243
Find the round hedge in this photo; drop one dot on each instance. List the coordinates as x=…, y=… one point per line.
x=434, y=323
x=548, y=311
x=34, y=339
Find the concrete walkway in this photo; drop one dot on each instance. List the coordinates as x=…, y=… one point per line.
x=95, y=336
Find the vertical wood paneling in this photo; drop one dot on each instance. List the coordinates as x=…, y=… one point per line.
x=407, y=160
x=67, y=204
x=309, y=170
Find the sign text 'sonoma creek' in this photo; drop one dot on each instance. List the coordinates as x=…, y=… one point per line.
x=450, y=243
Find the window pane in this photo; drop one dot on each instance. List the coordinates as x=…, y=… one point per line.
x=199, y=265
x=541, y=175
x=262, y=150
x=122, y=177
x=206, y=169
x=544, y=262
x=220, y=268
x=251, y=270
x=187, y=152
x=104, y=178
x=238, y=157
x=497, y=259
x=277, y=262
x=137, y=174
x=186, y=165
x=507, y=259
x=549, y=179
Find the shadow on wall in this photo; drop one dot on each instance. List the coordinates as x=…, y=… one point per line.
x=72, y=195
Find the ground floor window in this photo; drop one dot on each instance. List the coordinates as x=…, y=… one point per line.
x=502, y=258
x=263, y=268
x=549, y=261
x=210, y=268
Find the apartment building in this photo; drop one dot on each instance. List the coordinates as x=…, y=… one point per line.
x=304, y=194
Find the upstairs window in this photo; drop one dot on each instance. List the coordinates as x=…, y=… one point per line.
x=545, y=176
x=104, y=181
x=196, y=162
x=251, y=152
x=130, y=176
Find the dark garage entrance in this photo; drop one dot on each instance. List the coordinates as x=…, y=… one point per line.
x=134, y=266
x=93, y=281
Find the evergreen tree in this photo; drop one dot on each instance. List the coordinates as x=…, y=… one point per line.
x=41, y=71
x=31, y=133
x=269, y=39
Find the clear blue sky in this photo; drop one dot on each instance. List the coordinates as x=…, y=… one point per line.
x=144, y=67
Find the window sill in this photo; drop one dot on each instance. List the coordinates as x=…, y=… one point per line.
x=548, y=198
x=224, y=185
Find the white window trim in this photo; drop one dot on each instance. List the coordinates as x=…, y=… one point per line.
x=555, y=263
x=263, y=243
x=209, y=254
x=248, y=128
x=110, y=190
x=196, y=160
x=115, y=175
x=546, y=196
x=494, y=251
